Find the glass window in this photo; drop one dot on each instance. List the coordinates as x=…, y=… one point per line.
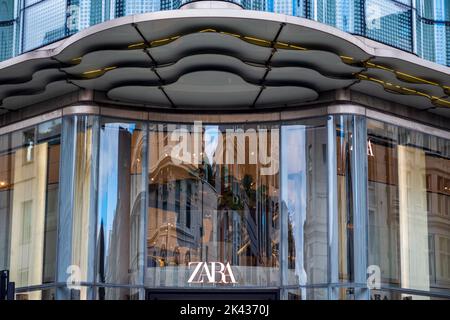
x=344, y=151
x=46, y=294
x=305, y=293
x=121, y=195
x=226, y=210
x=408, y=182
x=108, y=293
x=399, y=295
x=389, y=22
x=43, y=23
x=304, y=197
x=29, y=185
x=76, y=233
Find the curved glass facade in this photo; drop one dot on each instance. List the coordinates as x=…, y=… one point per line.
x=418, y=26
x=329, y=207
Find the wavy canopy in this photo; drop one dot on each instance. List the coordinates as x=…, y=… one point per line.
x=223, y=59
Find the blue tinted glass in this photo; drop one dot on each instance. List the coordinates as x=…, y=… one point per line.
x=389, y=23
x=43, y=23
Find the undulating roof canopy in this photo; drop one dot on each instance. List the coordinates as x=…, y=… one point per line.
x=227, y=59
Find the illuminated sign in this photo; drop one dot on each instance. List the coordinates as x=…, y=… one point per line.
x=211, y=272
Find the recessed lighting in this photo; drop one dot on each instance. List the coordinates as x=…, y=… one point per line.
x=2, y=183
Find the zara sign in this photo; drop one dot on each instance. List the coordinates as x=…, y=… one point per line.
x=211, y=272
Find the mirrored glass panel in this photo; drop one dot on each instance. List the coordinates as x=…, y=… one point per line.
x=304, y=190
x=29, y=185
x=213, y=205
x=121, y=205
x=409, y=207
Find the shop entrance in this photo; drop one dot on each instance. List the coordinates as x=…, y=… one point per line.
x=212, y=295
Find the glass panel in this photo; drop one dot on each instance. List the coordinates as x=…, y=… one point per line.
x=120, y=204
x=76, y=233
x=83, y=213
x=409, y=221
x=46, y=294
x=307, y=294
x=349, y=293
x=213, y=197
x=304, y=199
x=398, y=295
x=44, y=23
x=345, y=15
x=6, y=29
x=6, y=191
x=389, y=22
x=29, y=185
x=107, y=293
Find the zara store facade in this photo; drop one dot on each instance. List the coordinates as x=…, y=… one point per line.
x=224, y=153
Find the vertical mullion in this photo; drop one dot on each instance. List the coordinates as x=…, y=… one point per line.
x=144, y=219
x=93, y=207
x=283, y=221
x=333, y=254
x=359, y=174
x=66, y=195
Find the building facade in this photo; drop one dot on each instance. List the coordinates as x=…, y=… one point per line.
x=214, y=151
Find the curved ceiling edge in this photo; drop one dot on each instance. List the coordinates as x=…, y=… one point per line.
x=51, y=52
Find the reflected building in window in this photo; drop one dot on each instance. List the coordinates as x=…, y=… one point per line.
x=225, y=152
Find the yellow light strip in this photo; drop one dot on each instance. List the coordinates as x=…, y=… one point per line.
x=140, y=44
x=231, y=34
x=98, y=71
x=373, y=65
x=345, y=59
x=92, y=71
x=405, y=90
x=257, y=39
x=297, y=47
x=446, y=102
x=404, y=75
x=283, y=44
x=77, y=60
x=207, y=30
x=416, y=78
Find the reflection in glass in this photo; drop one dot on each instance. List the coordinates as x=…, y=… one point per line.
x=304, y=201
x=78, y=204
x=110, y=293
x=120, y=206
x=409, y=207
x=344, y=150
x=399, y=295
x=46, y=294
x=213, y=197
x=29, y=184
x=307, y=294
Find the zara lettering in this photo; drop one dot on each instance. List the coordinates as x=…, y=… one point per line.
x=211, y=272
